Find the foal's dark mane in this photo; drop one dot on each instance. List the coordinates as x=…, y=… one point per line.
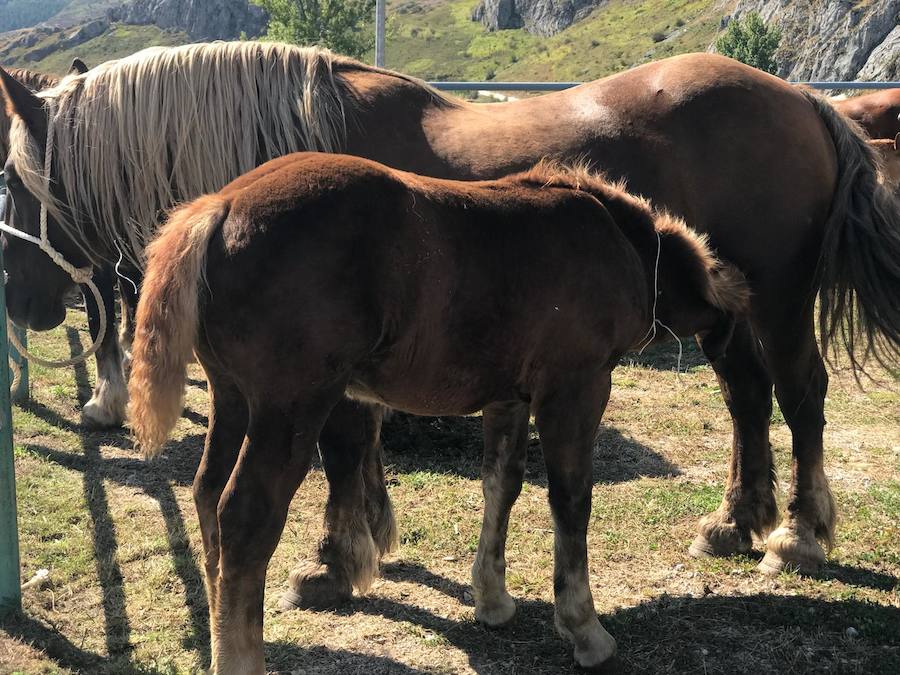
x=640, y=222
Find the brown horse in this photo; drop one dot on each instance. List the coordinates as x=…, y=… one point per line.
x=784, y=186
x=106, y=406
x=318, y=275
x=878, y=113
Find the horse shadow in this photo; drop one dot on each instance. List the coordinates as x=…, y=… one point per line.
x=454, y=445
x=665, y=356
x=762, y=632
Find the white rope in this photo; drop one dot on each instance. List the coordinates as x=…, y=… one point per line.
x=650, y=335
x=80, y=275
x=120, y=274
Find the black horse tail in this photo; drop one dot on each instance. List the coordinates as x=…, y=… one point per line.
x=859, y=265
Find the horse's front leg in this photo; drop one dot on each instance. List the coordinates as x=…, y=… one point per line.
x=567, y=419
x=128, y=297
x=106, y=408
x=502, y=471
x=348, y=554
x=748, y=504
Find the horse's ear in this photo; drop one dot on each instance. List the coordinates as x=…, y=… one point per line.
x=22, y=102
x=78, y=67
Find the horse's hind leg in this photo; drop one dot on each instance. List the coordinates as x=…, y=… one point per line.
x=227, y=425
x=348, y=555
x=106, y=408
x=251, y=514
x=749, y=502
x=502, y=471
x=567, y=421
x=801, y=383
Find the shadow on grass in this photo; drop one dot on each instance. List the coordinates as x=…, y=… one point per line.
x=669, y=634
x=66, y=654
x=453, y=445
x=664, y=356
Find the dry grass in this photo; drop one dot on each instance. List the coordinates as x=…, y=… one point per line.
x=120, y=538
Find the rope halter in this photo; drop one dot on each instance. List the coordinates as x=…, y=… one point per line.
x=80, y=275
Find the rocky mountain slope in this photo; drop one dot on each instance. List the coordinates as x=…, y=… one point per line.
x=199, y=19
x=831, y=39
x=541, y=17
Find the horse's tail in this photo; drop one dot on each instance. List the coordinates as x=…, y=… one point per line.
x=167, y=320
x=859, y=265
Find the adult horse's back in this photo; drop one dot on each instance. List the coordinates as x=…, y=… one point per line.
x=785, y=187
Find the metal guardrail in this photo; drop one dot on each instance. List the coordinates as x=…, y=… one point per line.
x=559, y=86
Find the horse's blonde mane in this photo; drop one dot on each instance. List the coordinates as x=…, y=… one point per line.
x=135, y=137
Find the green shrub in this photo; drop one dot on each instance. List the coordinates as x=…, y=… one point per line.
x=750, y=41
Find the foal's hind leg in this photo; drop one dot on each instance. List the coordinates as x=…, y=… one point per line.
x=348, y=555
x=107, y=405
x=251, y=514
x=567, y=421
x=227, y=425
x=749, y=501
x=801, y=383
x=502, y=471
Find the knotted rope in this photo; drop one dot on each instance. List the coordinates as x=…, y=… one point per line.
x=80, y=275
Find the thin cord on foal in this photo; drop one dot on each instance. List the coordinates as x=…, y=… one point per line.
x=650, y=335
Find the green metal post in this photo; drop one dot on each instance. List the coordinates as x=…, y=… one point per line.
x=10, y=582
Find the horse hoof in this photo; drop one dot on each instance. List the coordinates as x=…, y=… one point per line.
x=600, y=657
x=314, y=587
x=773, y=564
x=788, y=551
x=726, y=544
x=611, y=666
x=496, y=613
x=94, y=416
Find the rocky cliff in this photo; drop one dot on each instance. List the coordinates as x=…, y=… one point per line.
x=200, y=19
x=541, y=17
x=831, y=39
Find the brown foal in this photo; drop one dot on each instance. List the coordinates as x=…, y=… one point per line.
x=316, y=276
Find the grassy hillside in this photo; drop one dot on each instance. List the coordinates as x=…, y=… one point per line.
x=436, y=39
x=115, y=43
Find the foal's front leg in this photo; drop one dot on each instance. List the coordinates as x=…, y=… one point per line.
x=567, y=420
x=502, y=471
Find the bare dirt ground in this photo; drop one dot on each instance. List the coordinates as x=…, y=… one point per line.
x=121, y=541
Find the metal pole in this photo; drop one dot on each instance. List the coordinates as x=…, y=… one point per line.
x=379, y=33
x=10, y=582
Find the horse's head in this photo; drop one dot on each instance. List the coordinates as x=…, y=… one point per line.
x=696, y=292
x=36, y=287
